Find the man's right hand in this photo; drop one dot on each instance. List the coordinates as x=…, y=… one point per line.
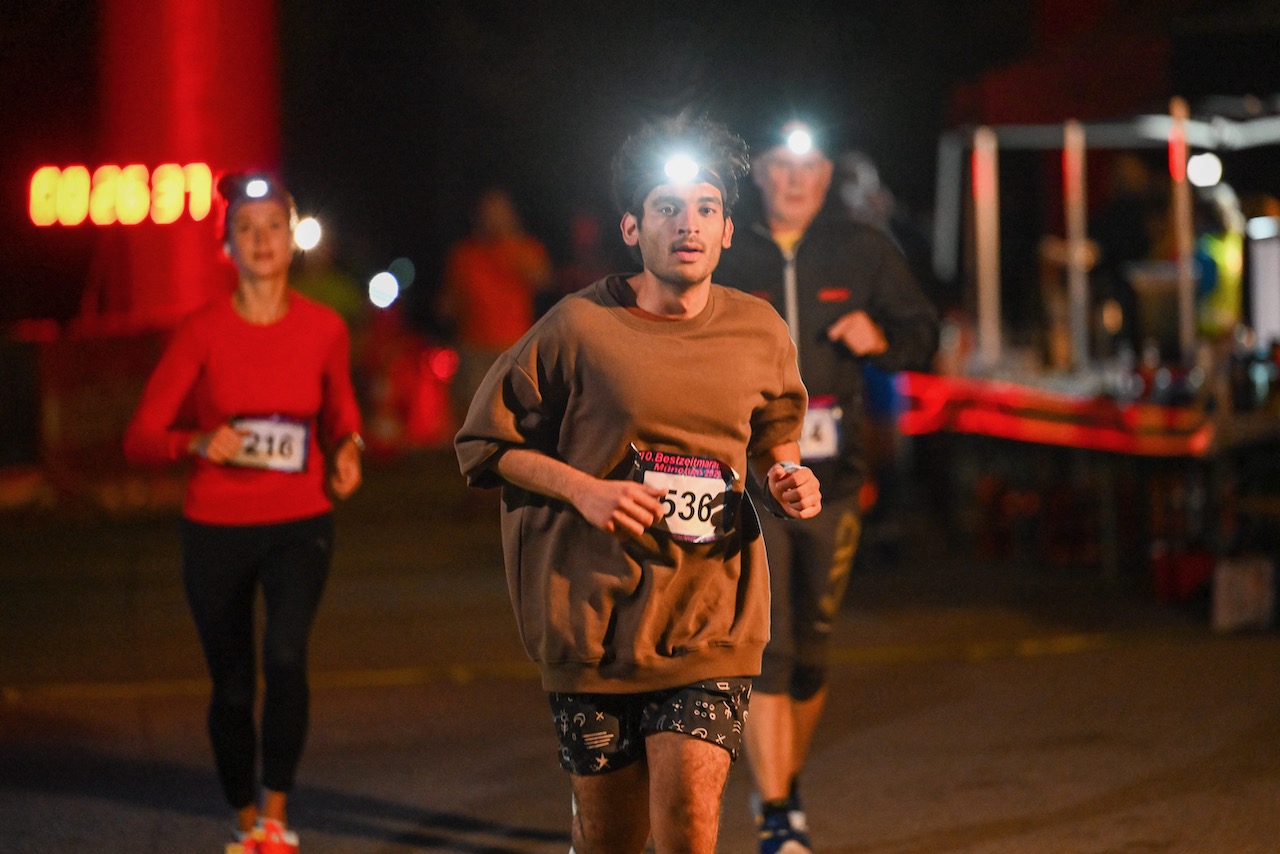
x=219, y=444
x=622, y=508
x=857, y=331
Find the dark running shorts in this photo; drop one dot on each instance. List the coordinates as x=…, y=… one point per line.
x=605, y=732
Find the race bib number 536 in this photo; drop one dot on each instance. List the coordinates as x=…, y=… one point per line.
x=274, y=443
x=698, y=493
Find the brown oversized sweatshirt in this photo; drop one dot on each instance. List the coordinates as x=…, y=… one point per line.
x=590, y=382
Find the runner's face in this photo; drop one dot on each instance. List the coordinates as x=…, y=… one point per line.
x=682, y=233
x=260, y=239
x=792, y=186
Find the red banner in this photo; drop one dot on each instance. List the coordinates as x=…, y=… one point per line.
x=1026, y=414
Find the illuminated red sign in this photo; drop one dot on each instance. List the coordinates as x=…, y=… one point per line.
x=120, y=194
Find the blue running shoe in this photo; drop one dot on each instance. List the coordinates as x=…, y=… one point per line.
x=778, y=835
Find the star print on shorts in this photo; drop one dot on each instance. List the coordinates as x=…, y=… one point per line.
x=599, y=733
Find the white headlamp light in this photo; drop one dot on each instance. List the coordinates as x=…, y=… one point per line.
x=799, y=141
x=681, y=168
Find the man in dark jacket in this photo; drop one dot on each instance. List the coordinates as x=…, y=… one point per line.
x=848, y=297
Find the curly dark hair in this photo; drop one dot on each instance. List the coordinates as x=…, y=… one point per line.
x=638, y=165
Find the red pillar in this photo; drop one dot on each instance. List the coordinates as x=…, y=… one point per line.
x=182, y=81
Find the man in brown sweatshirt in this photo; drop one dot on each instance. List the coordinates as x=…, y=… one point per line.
x=619, y=428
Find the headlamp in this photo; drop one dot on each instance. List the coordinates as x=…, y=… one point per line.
x=235, y=188
x=681, y=168
x=799, y=141
x=799, y=137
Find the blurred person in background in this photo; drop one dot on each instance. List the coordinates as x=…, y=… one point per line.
x=319, y=275
x=848, y=298
x=1219, y=259
x=492, y=279
x=863, y=196
x=618, y=428
x=1126, y=226
x=274, y=436
x=588, y=260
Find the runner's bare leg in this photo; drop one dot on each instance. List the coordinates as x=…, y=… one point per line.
x=687, y=783
x=612, y=811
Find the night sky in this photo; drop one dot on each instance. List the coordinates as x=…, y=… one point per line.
x=536, y=97
x=396, y=112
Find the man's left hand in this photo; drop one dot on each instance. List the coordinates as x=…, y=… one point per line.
x=797, y=492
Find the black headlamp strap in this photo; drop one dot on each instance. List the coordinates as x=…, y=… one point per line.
x=708, y=176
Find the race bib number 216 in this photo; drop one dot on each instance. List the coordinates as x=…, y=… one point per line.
x=274, y=443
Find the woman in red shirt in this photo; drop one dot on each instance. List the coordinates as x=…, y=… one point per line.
x=275, y=436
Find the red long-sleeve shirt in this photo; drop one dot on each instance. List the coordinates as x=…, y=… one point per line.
x=297, y=367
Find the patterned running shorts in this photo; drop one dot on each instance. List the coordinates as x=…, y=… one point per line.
x=600, y=733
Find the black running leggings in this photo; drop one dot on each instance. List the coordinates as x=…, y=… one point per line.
x=222, y=569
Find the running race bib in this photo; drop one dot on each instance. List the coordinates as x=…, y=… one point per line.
x=274, y=442
x=699, y=501
x=821, y=437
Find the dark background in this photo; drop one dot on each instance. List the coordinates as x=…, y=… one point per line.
x=395, y=112
x=537, y=96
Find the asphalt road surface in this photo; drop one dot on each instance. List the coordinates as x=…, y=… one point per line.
x=976, y=707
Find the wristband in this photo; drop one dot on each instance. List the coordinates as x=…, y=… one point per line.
x=357, y=440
